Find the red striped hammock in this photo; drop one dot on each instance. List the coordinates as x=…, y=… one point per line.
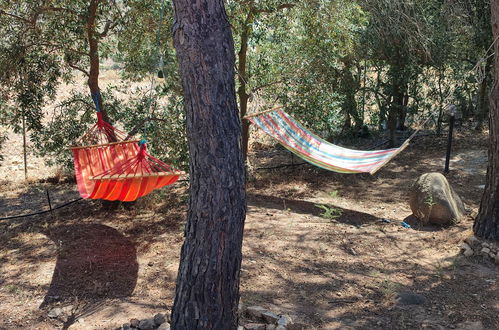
x=300, y=141
x=120, y=170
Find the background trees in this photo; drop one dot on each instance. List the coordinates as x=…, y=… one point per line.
x=341, y=66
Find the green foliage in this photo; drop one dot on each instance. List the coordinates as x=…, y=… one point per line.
x=338, y=65
x=329, y=212
x=334, y=194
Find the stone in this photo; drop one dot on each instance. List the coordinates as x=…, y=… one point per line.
x=159, y=319
x=470, y=325
x=134, y=323
x=410, y=298
x=164, y=326
x=468, y=253
x=67, y=309
x=147, y=324
x=485, y=251
x=126, y=326
x=255, y=311
x=432, y=200
x=472, y=240
x=270, y=318
x=284, y=320
x=465, y=246
x=55, y=313
x=270, y=327
x=467, y=250
x=255, y=326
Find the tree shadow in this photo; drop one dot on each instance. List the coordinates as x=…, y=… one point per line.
x=94, y=262
x=314, y=209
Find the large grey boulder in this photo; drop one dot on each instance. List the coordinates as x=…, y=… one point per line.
x=433, y=200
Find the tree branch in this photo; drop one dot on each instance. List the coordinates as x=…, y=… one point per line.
x=266, y=85
x=3, y=12
x=137, y=127
x=71, y=65
x=108, y=27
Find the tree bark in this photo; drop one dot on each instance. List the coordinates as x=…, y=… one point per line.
x=207, y=290
x=242, y=56
x=487, y=222
x=483, y=97
x=93, y=45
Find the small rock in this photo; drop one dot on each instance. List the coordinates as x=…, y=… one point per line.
x=134, y=323
x=147, y=324
x=164, y=326
x=126, y=326
x=159, y=319
x=55, y=313
x=255, y=326
x=485, y=244
x=470, y=325
x=240, y=327
x=270, y=318
x=255, y=311
x=472, y=240
x=468, y=253
x=270, y=327
x=465, y=246
x=285, y=320
x=485, y=251
x=410, y=298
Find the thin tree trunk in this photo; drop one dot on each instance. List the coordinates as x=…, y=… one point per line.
x=483, y=97
x=207, y=290
x=242, y=56
x=487, y=222
x=93, y=45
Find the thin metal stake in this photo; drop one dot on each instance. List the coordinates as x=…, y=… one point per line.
x=25, y=149
x=449, y=142
x=50, y=204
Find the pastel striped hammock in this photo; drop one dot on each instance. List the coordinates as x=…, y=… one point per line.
x=300, y=141
x=107, y=166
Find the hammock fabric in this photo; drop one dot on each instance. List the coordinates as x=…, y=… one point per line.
x=297, y=139
x=121, y=170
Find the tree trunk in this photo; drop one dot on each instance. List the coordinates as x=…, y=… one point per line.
x=242, y=56
x=483, y=97
x=207, y=290
x=93, y=45
x=487, y=222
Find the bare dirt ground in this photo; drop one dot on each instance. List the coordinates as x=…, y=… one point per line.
x=341, y=273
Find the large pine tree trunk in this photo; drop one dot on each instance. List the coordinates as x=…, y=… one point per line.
x=487, y=222
x=207, y=291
